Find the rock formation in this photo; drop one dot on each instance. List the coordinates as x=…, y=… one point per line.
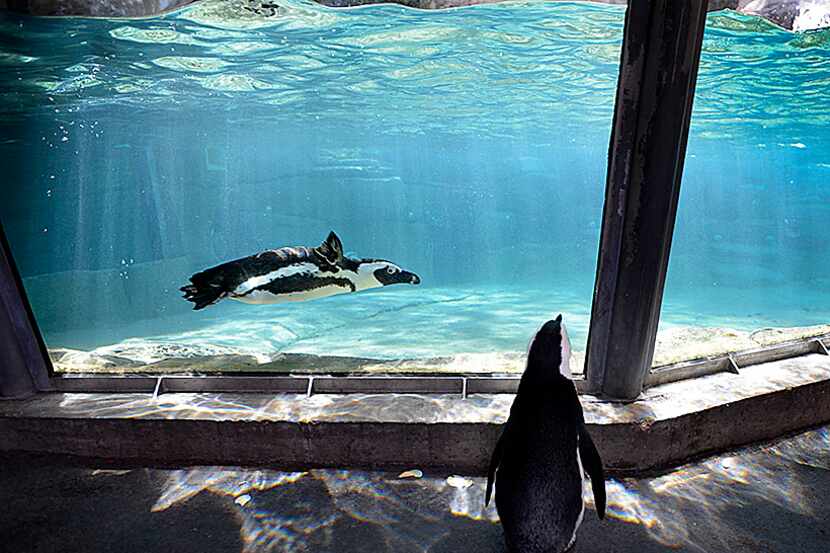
x=96, y=8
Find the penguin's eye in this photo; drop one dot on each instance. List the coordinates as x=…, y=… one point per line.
x=391, y=270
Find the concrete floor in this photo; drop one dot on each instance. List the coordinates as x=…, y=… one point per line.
x=770, y=498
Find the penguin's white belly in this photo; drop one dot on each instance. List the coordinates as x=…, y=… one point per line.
x=262, y=297
x=582, y=503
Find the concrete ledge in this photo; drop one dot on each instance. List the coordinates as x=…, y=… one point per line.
x=669, y=425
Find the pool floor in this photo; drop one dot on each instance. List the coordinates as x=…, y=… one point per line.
x=461, y=330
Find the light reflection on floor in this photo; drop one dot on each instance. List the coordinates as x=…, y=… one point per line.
x=690, y=508
x=672, y=507
x=384, y=501
x=766, y=498
x=408, y=513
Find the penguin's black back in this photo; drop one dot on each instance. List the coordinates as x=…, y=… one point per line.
x=233, y=273
x=539, y=483
x=209, y=286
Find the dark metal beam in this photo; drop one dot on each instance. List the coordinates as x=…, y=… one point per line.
x=24, y=363
x=658, y=71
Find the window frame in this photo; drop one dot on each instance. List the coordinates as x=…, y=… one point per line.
x=25, y=367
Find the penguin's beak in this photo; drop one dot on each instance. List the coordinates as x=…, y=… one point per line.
x=411, y=278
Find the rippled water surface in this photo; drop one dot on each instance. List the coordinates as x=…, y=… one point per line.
x=467, y=145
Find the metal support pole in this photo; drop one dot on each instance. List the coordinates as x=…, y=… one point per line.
x=658, y=71
x=24, y=364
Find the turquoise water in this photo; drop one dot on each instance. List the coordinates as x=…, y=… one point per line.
x=467, y=145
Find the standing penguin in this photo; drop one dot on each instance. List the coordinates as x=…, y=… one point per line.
x=544, y=452
x=293, y=274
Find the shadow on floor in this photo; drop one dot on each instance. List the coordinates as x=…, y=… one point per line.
x=763, y=499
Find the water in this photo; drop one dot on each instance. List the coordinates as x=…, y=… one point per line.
x=467, y=145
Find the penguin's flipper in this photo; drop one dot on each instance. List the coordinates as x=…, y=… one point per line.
x=331, y=249
x=592, y=464
x=495, y=461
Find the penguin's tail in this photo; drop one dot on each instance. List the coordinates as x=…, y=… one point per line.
x=201, y=297
x=206, y=289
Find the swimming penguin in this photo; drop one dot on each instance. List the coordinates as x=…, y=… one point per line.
x=293, y=274
x=544, y=452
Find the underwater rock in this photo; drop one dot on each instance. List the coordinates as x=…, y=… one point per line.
x=682, y=343
x=138, y=356
x=73, y=361
x=769, y=336
x=92, y=362
x=311, y=363
x=256, y=14
x=798, y=15
x=155, y=352
x=214, y=363
x=673, y=345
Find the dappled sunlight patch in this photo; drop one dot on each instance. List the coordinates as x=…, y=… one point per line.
x=671, y=506
x=629, y=505
x=234, y=83
x=691, y=507
x=811, y=449
x=181, y=485
x=153, y=35
x=192, y=64
x=468, y=502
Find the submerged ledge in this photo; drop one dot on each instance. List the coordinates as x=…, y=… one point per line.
x=670, y=424
x=161, y=357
